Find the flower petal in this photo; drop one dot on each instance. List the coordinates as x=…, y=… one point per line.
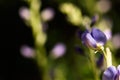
x=90, y=42
x=99, y=36
x=110, y=73
x=83, y=37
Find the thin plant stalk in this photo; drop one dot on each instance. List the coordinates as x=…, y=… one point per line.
x=39, y=37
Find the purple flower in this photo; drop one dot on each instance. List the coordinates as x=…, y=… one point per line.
x=111, y=73
x=47, y=14
x=58, y=50
x=27, y=51
x=93, y=38
x=24, y=13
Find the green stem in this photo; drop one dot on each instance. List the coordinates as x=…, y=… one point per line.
x=42, y=62
x=108, y=56
x=95, y=71
x=39, y=37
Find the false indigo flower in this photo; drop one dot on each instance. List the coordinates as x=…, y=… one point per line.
x=58, y=50
x=93, y=38
x=47, y=14
x=24, y=13
x=111, y=73
x=27, y=51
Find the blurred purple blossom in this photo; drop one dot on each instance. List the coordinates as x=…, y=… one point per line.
x=24, y=13
x=47, y=14
x=103, y=6
x=27, y=51
x=58, y=50
x=116, y=40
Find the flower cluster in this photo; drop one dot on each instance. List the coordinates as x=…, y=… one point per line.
x=95, y=39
